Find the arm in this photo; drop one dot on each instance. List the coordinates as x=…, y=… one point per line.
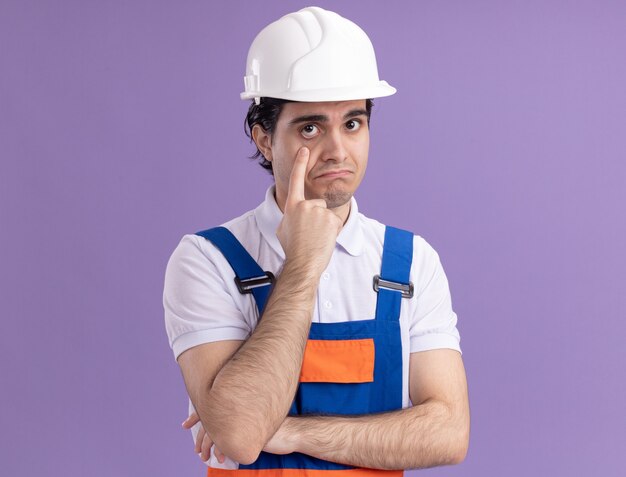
x=251, y=394
x=434, y=431
x=252, y=391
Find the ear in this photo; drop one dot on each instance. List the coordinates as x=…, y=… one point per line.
x=263, y=141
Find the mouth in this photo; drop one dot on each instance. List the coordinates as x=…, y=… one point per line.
x=334, y=174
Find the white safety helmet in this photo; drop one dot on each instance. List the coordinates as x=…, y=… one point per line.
x=313, y=55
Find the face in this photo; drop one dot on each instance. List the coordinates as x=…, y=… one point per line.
x=337, y=136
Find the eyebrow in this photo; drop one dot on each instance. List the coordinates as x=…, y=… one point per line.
x=322, y=118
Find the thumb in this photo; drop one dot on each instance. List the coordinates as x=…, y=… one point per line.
x=191, y=421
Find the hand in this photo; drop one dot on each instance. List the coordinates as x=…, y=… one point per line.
x=308, y=231
x=203, y=440
x=283, y=441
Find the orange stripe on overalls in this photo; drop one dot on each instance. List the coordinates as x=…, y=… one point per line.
x=356, y=472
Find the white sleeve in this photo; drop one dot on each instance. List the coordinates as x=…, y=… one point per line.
x=198, y=301
x=433, y=323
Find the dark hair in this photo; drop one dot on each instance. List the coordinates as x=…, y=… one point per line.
x=266, y=114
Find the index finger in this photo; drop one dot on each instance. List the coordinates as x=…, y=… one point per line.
x=296, y=180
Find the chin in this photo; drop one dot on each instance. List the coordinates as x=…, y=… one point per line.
x=336, y=198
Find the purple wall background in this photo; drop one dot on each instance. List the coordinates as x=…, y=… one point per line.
x=121, y=130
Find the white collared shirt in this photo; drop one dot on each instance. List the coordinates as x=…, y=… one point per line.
x=202, y=303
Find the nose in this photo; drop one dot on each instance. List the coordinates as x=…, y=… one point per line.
x=334, y=147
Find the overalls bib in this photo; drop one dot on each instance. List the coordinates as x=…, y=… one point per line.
x=350, y=367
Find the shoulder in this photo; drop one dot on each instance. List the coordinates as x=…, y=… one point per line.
x=195, y=247
x=374, y=233
x=425, y=261
x=200, y=297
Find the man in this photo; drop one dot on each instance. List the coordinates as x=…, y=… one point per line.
x=302, y=328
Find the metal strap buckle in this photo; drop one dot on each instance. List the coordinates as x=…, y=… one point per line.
x=405, y=289
x=247, y=284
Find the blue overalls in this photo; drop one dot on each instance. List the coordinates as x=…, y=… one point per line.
x=351, y=367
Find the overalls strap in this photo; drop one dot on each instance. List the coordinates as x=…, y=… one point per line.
x=395, y=268
x=250, y=277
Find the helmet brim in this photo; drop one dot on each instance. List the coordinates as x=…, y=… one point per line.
x=349, y=93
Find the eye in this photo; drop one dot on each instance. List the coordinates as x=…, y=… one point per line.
x=353, y=125
x=309, y=131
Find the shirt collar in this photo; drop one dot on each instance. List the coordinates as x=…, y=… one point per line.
x=268, y=216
